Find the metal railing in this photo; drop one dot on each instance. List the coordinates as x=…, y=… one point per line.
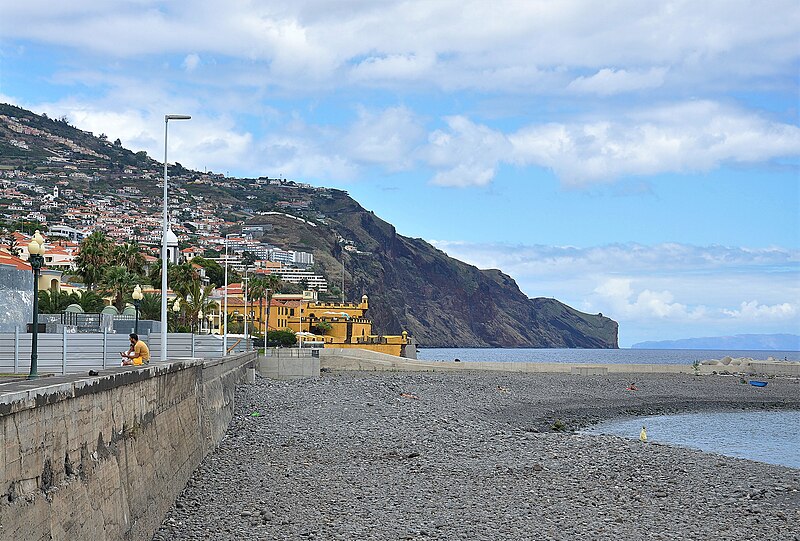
x=68, y=352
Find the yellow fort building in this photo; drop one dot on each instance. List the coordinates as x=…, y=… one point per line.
x=319, y=324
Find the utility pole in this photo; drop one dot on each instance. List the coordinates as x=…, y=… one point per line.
x=342, y=276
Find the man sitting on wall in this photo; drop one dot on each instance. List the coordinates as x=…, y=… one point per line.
x=138, y=354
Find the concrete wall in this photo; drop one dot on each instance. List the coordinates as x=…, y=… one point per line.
x=16, y=298
x=105, y=457
x=284, y=367
x=356, y=359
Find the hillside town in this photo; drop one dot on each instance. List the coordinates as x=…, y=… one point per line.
x=71, y=192
x=82, y=196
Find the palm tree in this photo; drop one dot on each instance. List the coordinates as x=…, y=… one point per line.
x=91, y=302
x=150, y=307
x=129, y=255
x=261, y=287
x=118, y=283
x=179, y=276
x=55, y=302
x=93, y=258
x=256, y=289
x=197, y=299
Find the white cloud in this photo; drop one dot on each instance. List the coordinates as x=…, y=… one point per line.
x=468, y=44
x=754, y=311
x=191, y=62
x=624, y=303
x=388, y=137
x=677, y=138
x=393, y=68
x=467, y=153
x=609, y=81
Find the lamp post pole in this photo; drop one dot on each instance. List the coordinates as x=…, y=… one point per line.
x=167, y=118
x=244, y=292
x=266, y=327
x=36, y=260
x=225, y=309
x=137, y=299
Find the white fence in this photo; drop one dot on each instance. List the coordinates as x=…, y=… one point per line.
x=68, y=353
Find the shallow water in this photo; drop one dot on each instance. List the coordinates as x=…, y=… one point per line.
x=766, y=436
x=610, y=356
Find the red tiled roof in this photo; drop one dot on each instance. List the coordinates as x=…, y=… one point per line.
x=13, y=261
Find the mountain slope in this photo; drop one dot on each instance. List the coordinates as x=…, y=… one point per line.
x=412, y=285
x=438, y=299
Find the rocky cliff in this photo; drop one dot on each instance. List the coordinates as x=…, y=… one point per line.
x=441, y=301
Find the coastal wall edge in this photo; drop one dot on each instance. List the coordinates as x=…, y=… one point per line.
x=357, y=359
x=104, y=457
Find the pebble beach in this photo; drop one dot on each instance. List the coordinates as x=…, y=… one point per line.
x=484, y=456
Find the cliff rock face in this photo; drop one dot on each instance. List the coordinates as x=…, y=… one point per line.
x=442, y=301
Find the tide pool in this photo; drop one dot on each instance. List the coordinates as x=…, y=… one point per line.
x=766, y=436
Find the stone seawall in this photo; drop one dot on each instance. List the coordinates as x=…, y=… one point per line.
x=104, y=457
x=358, y=359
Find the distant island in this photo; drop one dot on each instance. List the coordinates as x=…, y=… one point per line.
x=766, y=342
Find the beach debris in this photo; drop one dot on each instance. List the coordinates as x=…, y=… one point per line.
x=631, y=387
x=643, y=435
x=412, y=396
x=255, y=414
x=502, y=389
x=457, y=360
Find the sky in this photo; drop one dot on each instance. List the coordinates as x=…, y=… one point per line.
x=639, y=159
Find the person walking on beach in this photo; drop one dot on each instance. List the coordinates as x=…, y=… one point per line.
x=138, y=354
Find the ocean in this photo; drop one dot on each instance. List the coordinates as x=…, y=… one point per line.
x=756, y=435
x=765, y=436
x=604, y=356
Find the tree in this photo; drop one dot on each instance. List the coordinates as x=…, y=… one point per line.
x=321, y=327
x=118, y=283
x=91, y=302
x=11, y=243
x=262, y=287
x=248, y=259
x=117, y=142
x=55, y=302
x=283, y=338
x=178, y=276
x=214, y=271
x=129, y=255
x=196, y=300
x=181, y=277
x=93, y=258
x=150, y=306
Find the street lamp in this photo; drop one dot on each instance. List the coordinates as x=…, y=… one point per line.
x=225, y=310
x=167, y=118
x=199, y=322
x=36, y=259
x=137, y=299
x=268, y=291
x=210, y=323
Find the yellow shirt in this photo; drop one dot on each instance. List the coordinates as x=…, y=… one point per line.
x=141, y=353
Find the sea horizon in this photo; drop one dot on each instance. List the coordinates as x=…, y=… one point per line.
x=602, y=356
